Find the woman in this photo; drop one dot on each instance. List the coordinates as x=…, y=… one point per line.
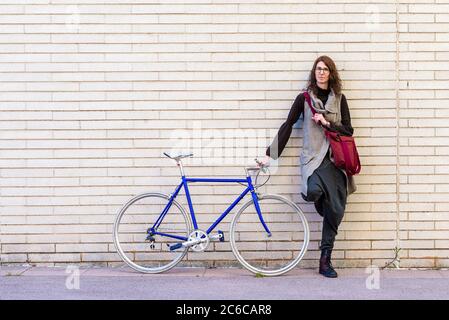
x=322, y=182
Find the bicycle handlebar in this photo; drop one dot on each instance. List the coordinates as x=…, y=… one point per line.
x=262, y=167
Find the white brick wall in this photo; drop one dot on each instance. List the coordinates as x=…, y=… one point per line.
x=92, y=91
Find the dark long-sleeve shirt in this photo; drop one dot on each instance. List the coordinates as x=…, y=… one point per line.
x=297, y=109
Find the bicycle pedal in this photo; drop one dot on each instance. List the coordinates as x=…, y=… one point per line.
x=175, y=246
x=222, y=239
x=219, y=236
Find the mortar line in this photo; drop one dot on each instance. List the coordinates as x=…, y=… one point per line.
x=398, y=175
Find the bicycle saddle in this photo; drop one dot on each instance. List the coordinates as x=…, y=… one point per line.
x=179, y=156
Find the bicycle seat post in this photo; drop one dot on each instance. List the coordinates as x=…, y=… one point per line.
x=181, y=168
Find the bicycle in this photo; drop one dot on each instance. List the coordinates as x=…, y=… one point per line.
x=269, y=235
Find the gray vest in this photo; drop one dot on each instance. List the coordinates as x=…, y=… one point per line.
x=315, y=144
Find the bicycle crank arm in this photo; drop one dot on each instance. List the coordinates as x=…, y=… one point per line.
x=185, y=244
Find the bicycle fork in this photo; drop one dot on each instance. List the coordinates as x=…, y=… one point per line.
x=259, y=212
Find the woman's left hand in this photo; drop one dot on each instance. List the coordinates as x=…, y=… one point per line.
x=318, y=117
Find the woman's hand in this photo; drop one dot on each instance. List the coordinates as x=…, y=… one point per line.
x=318, y=117
x=265, y=161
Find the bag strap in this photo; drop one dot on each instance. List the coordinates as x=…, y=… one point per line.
x=309, y=101
x=307, y=96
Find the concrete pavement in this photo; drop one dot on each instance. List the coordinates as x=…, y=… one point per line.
x=72, y=282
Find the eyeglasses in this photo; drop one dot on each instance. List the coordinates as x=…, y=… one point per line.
x=319, y=69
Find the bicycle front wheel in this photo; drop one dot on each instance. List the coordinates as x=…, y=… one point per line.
x=142, y=250
x=260, y=252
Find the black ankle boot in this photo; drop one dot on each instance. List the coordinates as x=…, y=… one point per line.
x=326, y=268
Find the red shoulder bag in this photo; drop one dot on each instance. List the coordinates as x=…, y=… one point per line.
x=343, y=148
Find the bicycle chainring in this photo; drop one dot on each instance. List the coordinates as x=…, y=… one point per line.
x=199, y=235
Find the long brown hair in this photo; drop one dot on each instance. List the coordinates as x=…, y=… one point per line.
x=334, y=78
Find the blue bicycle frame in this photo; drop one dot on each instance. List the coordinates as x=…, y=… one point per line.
x=249, y=188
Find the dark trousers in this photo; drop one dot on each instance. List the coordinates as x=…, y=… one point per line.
x=326, y=187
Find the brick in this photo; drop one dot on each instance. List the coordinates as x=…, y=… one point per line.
x=27, y=248
x=70, y=248
x=57, y=257
x=428, y=234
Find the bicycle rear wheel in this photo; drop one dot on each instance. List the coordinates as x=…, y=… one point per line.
x=261, y=253
x=131, y=235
